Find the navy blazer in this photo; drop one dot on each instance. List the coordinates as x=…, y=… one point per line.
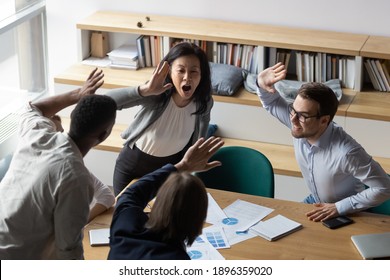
x=129, y=240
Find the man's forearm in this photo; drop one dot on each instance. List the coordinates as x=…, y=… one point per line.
x=51, y=105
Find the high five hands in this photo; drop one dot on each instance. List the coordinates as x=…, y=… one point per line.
x=268, y=77
x=156, y=85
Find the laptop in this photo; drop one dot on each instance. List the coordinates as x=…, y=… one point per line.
x=373, y=246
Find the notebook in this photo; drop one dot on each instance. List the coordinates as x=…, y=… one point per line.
x=373, y=246
x=99, y=237
x=275, y=228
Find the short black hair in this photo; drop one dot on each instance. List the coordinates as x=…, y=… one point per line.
x=92, y=113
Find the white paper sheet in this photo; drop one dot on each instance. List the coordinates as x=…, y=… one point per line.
x=214, y=212
x=216, y=236
x=242, y=215
x=201, y=249
x=98, y=62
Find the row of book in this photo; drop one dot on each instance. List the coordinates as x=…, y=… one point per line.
x=310, y=67
x=322, y=67
x=378, y=71
x=152, y=49
x=248, y=57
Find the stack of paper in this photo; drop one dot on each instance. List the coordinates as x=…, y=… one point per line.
x=275, y=228
x=99, y=237
x=126, y=56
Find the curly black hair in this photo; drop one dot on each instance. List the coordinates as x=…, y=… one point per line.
x=93, y=112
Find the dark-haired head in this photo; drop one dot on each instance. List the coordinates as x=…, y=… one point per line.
x=202, y=94
x=180, y=209
x=92, y=116
x=323, y=95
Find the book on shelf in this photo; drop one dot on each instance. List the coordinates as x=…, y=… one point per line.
x=125, y=56
x=382, y=74
x=147, y=51
x=323, y=67
x=371, y=74
x=119, y=66
x=126, y=52
x=166, y=45
x=386, y=66
x=299, y=68
x=152, y=51
x=141, y=51
x=271, y=56
x=275, y=228
x=377, y=75
x=350, y=72
x=259, y=59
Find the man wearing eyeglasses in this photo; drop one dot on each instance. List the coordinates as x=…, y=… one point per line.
x=334, y=166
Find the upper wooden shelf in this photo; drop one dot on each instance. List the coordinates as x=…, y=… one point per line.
x=227, y=31
x=376, y=47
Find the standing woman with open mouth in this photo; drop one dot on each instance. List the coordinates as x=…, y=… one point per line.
x=175, y=107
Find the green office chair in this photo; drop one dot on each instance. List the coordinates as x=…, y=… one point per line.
x=243, y=170
x=384, y=208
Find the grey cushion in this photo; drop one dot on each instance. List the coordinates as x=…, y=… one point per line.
x=225, y=79
x=250, y=83
x=288, y=89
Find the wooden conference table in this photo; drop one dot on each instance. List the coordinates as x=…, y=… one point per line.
x=314, y=241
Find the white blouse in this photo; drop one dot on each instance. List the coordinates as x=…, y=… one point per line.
x=170, y=133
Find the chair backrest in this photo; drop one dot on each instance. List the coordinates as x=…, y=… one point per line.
x=243, y=170
x=383, y=208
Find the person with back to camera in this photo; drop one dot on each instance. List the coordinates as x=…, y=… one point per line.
x=334, y=166
x=103, y=195
x=175, y=107
x=178, y=213
x=46, y=193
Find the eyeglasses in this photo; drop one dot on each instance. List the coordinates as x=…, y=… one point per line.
x=300, y=117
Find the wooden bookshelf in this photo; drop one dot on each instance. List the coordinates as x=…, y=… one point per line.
x=299, y=39
x=330, y=42
x=239, y=33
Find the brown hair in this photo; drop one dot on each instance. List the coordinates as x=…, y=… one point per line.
x=180, y=209
x=323, y=95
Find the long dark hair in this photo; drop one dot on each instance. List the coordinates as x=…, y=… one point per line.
x=203, y=92
x=180, y=209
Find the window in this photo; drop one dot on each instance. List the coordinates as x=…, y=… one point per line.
x=23, y=67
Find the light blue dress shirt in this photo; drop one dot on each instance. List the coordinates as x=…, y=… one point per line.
x=336, y=168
